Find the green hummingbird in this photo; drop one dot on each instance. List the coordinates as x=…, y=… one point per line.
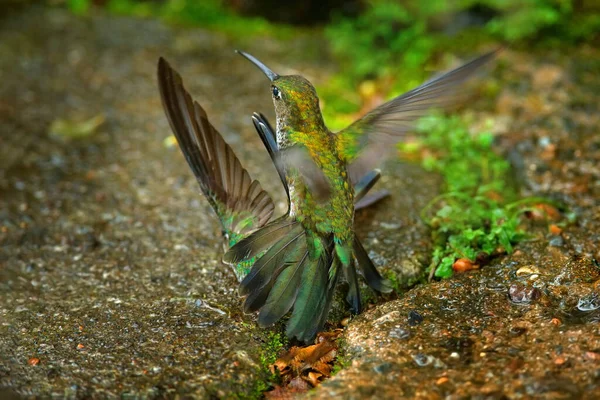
x=293, y=262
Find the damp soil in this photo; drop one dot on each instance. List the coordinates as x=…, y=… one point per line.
x=110, y=279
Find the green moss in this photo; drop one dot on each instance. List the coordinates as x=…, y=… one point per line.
x=342, y=359
x=273, y=343
x=392, y=277
x=479, y=212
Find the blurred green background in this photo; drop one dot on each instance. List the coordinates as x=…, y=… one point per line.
x=381, y=47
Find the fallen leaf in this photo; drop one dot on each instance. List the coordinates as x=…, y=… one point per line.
x=302, y=368
x=76, y=129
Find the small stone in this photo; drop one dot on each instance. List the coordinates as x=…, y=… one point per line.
x=399, y=333
x=528, y=270
x=391, y=316
x=391, y=226
x=519, y=293
x=517, y=331
x=382, y=368
x=556, y=241
x=588, y=303
x=560, y=360
x=414, y=318
x=422, y=360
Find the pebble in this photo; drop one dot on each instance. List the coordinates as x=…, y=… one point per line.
x=422, y=360
x=387, y=317
x=33, y=361
x=556, y=241
x=588, y=303
x=519, y=293
x=414, y=318
x=382, y=368
x=399, y=333
x=528, y=270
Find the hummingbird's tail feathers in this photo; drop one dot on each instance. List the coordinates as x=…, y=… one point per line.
x=266, y=268
x=260, y=241
x=314, y=297
x=353, y=295
x=326, y=306
x=284, y=292
x=368, y=270
x=240, y=202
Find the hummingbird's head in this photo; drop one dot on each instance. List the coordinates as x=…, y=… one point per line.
x=295, y=99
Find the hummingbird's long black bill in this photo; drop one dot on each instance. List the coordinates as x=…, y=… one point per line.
x=266, y=70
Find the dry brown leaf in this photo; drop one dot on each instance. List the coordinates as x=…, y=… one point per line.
x=302, y=368
x=313, y=378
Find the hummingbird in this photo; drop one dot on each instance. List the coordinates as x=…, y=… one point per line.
x=293, y=262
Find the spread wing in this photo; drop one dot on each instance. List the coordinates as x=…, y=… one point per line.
x=240, y=202
x=368, y=141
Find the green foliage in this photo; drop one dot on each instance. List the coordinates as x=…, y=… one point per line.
x=475, y=214
x=393, y=278
x=393, y=42
x=532, y=19
x=384, y=36
x=209, y=14
x=79, y=7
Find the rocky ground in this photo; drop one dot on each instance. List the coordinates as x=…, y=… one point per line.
x=110, y=284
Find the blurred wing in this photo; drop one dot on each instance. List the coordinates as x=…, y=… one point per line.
x=240, y=202
x=368, y=141
x=296, y=159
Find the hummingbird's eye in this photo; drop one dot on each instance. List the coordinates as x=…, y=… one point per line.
x=276, y=93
